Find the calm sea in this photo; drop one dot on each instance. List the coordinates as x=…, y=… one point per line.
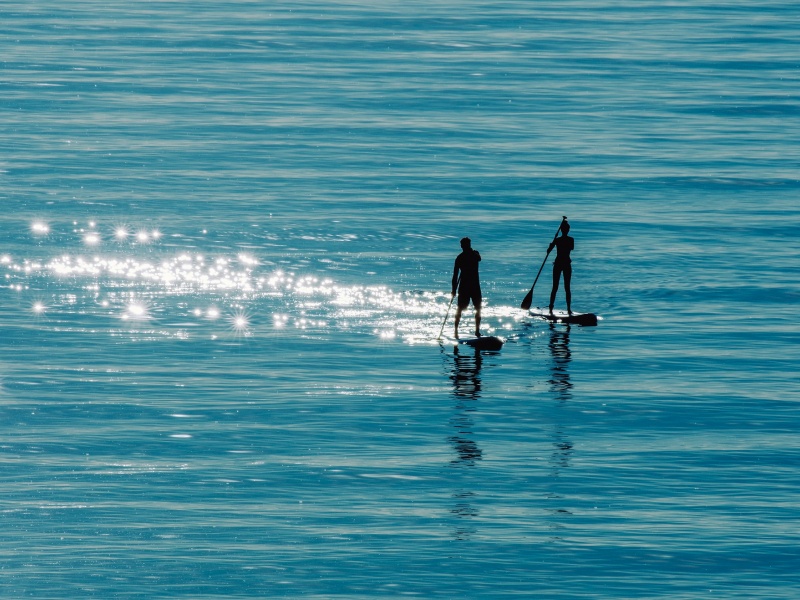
x=226, y=242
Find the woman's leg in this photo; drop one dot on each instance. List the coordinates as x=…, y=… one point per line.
x=567, y=290
x=556, y=276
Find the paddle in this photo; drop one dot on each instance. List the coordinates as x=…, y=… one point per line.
x=453, y=297
x=445, y=317
x=528, y=300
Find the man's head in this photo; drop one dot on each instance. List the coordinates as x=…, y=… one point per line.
x=466, y=243
x=564, y=227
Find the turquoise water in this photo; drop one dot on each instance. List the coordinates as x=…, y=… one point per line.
x=227, y=242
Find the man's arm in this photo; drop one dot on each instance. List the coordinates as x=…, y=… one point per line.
x=455, y=278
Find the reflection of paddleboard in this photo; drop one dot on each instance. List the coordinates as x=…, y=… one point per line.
x=485, y=342
x=562, y=316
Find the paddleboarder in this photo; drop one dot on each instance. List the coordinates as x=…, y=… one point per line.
x=467, y=283
x=562, y=266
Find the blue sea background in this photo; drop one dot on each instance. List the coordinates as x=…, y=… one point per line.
x=228, y=231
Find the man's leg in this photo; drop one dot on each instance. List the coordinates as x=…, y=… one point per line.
x=567, y=279
x=457, y=319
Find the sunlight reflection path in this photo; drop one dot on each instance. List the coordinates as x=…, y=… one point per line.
x=182, y=293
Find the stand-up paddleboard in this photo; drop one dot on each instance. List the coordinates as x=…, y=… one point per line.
x=484, y=342
x=562, y=316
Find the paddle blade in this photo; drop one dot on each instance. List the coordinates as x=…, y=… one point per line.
x=527, y=301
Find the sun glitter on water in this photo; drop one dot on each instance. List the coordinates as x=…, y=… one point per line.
x=40, y=228
x=136, y=311
x=133, y=278
x=240, y=323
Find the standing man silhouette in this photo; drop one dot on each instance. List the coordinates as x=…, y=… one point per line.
x=467, y=282
x=564, y=244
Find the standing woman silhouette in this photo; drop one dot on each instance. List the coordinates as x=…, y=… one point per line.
x=564, y=244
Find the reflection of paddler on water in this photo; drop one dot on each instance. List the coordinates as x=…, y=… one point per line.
x=465, y=375
x=562, y=446
x=561, y=355
x=466, y=378
x=467, y=281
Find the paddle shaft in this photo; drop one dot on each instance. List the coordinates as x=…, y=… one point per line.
x=445, y=317
x=528, y=300
x=453, y=297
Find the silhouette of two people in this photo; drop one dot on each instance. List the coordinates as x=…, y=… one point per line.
x=466, y=280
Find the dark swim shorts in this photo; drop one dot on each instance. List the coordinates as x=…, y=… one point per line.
x=465, y=295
